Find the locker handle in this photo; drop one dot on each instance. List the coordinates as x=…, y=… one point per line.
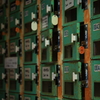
x=48, y=8
x=73, y=38
x=53, y=76
x=3, y=76
x=75, y=76
x=33, y=76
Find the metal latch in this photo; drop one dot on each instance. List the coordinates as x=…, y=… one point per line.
x=3, y=51
x=2, y=26
x=33, y=15
x=16, y=76
x=3, y=76
x=47, y=42
x=54, y=19
x=58, y=41
x=73, y=38
x=79, y=2
x=17, y=21
x=33, y=76
x=48, y=8
x=75, y=76
x=53, y=76
x=33, y=45
x=17, y=48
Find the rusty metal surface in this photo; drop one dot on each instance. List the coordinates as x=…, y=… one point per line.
x=60, y=53
x=88, y=52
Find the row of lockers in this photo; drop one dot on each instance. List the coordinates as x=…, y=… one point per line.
x=73, y=11
x=19, y=39
x=75, y=77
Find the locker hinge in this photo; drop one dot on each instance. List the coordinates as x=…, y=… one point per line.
x=85, y=77
x=84, y=4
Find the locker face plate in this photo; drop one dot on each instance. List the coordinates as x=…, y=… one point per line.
x=48, y=84
x=72, y=72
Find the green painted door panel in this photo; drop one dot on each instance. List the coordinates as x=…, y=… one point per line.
x=72, y=13
x=72, y=84
x=30, y=76
x=48, y=83
x=95, y=39
x=29, y=97
x=13, y=96
x=2, y=53
x=48, y=98
x=46, y=16
x=14, y=23
x=29, y=3
x=2, y=81
x=2, y=95
x=30, y=49
x=95, y=9
x=13, y=6
x=14, y=49
x=71, y=45
x=30, y=15
x=14, y=85
x=49, y=42
x=95, y=65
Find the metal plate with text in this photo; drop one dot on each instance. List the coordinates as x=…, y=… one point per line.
x=69, y=4
x=27, y=73
x=46, y=72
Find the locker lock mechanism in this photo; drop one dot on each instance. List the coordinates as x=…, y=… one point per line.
x=56, y=76
x=34, y=25
x=47, y=42
x=33, y=76
x=73, y=38
x=3, y=76
x=54, y=19
x=48, y=8
x=19, y=76
x=2, y=26
x=75, y=76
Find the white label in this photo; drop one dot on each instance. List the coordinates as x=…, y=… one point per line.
x=27, y=73
x=44, y=99
x=96, y=27
x=12, y=47
x=66, y=69
x=97, y=68
x=11, y=62
x=12, y=73
x=27, y=2
x=66, y=33
x=27, y=44
x=26, y=13
x=0, y=49
x=46, y=72
x=12, y=97
x=45, y=22
x=27, y=98
x=69, y=4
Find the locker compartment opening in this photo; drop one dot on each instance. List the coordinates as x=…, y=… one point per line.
x=28, y=56
x=70, y=15
x=28, y=28
x=12, y=32
x=96, y=7
x=12, y=84
x=28, y=85
x=96, y=49
x=68, y=51
x=69, y=88
x=96, y=89
x=1, y=59
x=44, y=54
x=1, y=84
x=47, y=86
